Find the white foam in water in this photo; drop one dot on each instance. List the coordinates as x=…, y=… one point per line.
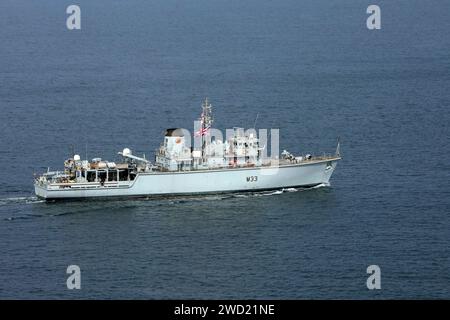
x=240, y=196
x=327, y=184
x=16, y=199
x=265, y=193
x=276, y=192
x=26, y=200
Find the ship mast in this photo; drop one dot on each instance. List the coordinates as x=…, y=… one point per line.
x=206, y=122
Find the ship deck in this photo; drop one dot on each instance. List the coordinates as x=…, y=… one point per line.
x=281, y=163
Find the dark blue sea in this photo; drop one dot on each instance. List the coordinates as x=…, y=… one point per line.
x=310, y=68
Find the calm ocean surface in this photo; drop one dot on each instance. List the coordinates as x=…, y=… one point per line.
x=310, y=68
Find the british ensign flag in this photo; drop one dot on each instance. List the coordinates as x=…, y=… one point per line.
x=202, y=132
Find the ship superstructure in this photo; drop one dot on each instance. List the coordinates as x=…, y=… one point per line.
x=240, y=150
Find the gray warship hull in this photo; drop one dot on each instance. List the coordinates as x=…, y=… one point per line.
x=197, y=182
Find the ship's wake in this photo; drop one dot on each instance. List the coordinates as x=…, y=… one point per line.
x=9, y=206
x=20, y=200
x=25, y=200
x=275, y=192
x=322, y=185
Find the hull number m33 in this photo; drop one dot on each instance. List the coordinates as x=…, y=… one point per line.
x=252, y=179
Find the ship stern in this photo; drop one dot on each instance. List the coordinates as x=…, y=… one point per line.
x=40, y=191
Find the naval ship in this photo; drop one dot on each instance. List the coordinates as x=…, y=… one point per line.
x=234, y=165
